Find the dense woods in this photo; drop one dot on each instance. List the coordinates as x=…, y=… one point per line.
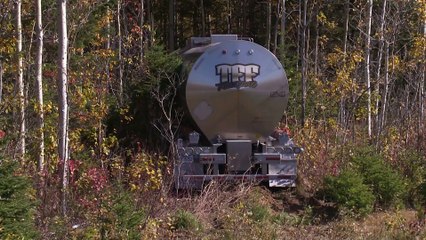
x=90, y=110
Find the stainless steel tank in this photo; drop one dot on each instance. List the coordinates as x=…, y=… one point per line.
x=236, y=89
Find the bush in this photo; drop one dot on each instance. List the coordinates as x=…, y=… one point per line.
x=17, y=205
x=422, y=193
x=259, y=213
x=113, y=214
x=186, y=220
x=284, y=218
x=414, y=169
x=387, y=185
x=349, y=192
x=129, y=217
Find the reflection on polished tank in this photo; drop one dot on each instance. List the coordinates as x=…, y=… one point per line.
x=236, y=92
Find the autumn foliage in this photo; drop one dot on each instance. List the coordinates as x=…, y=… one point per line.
x=125, y=88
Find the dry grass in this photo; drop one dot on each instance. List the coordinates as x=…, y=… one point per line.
x=226, y=212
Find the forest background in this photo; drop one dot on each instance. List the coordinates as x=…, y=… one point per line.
x=90, y=110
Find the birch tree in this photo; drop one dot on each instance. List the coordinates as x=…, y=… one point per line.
x=379, y=57
x=382, y=114
x=20, y=81
x=63, y=98
x=367, y=62
x=39, y=85
x=120, y=58
x=342, y=103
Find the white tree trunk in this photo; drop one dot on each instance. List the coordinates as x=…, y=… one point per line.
x=20, y=81
x=379, y=58
x=63, y=98
x=342, y=105
x=421, y=122
x=108, y=47
x=382, y=119
x=120, y=61
x=345, y=41
x=39, y=84
x=367, y=63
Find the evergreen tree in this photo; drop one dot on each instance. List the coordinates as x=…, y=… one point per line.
x=17, y=205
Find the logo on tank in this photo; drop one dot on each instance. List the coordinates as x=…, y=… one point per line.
x=236, y=75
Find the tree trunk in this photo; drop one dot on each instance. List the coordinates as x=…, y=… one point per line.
x=39, y=84
x=421, y=121
x=277, y=17
x=367, y=63
x=244, y=16
x=343, y=119
x=379, y=58
x=1, y=82
x=316, y=41
x=63, y=98
x=150, y=19
x=108, y=47
x=268, y=24
x=120, y=59
x=203, y=18
x=142, y=30
x=304, y=65
x=382, y=114
x=345, y=39
x=299, y=34
x=171, y=25
x=229, y=17
x=20, y=81
x=283, y=16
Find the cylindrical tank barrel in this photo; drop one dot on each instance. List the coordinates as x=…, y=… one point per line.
x=236, y=89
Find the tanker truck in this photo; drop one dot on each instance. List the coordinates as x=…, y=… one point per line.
x=236, y=92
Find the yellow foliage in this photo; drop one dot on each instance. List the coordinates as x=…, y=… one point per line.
x=419, y=47
x=421, y=9
x=319, y=156
x=151, y=229
x=323, y=20
x=395, y=63
x=7, y=46
x=146, y=172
